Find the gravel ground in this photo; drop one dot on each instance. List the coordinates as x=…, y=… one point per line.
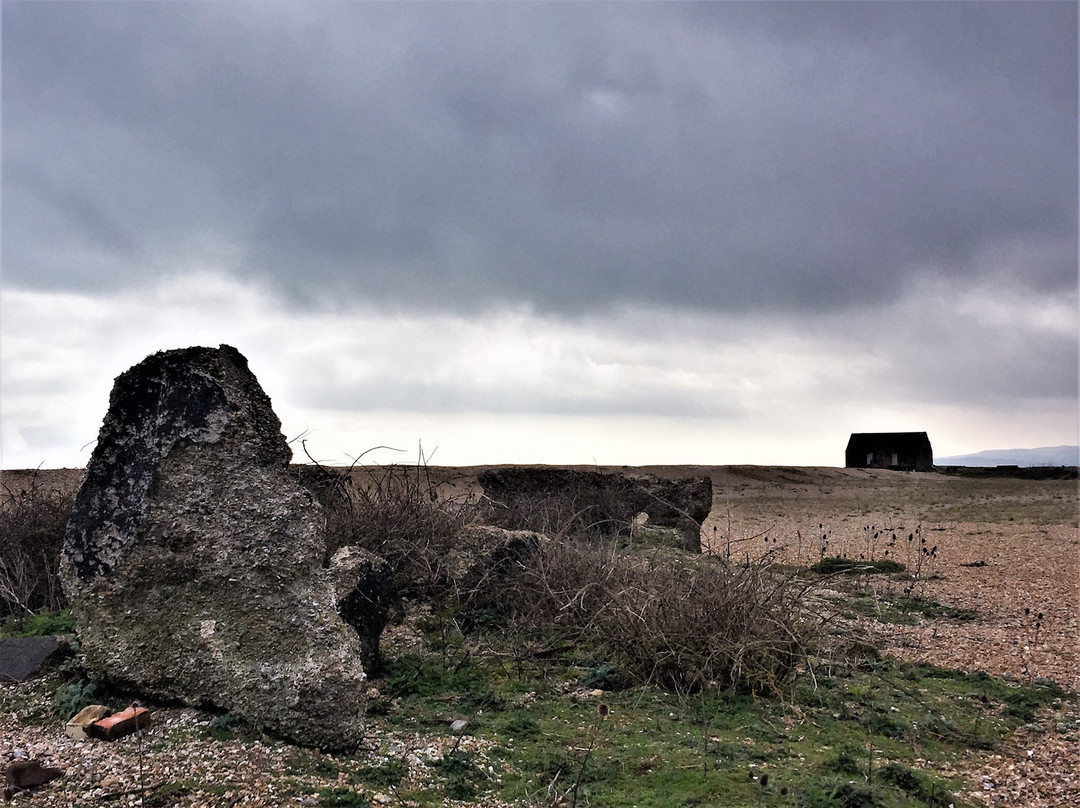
x=1015, y=560
x=204, y=772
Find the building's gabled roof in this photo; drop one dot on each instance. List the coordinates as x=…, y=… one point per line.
x=907, y=440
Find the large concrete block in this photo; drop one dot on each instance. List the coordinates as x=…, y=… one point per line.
x=193, y=560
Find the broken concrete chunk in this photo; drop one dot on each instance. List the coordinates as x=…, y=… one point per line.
x=78, y=728
x=24, y=774
x=364, y=590
x=486, y=557
x=194, y=559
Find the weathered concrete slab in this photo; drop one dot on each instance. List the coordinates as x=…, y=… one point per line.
x=597, y=502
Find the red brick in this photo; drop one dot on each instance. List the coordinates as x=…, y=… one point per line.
x=122, y=723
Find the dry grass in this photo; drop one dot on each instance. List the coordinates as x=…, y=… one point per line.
x=33, y=516
x=404, y=514
x=1003, y=545
x=678, y=620
x=681, y=623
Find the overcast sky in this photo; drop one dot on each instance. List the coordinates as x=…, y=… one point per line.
x=549, y=232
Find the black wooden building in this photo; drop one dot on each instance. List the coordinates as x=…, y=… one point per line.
x=900, y=451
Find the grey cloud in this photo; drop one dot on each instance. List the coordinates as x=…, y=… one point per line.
x=440, y=397
x=716, y=156
x=946, y=345
x=989, y=366
x=75, y=208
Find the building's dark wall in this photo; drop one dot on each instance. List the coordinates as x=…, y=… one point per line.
x=902, y=451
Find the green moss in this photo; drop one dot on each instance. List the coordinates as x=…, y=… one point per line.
x=385, y=774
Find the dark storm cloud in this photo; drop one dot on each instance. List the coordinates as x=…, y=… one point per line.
x=720, y=156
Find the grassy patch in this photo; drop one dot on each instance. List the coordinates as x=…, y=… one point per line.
x=460, y=679
x=852, y=738
x=899, y=609
x=835, y=565
x=342, y=798
x=43, y=623
x=386, y=774
x=931, y=609
x=172, y=793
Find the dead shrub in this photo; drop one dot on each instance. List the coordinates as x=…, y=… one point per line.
x=683, y=623
x=32, y=524
x=402, y=514
x=563, y=514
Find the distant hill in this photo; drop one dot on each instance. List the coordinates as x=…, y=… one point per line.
x=1044, y=456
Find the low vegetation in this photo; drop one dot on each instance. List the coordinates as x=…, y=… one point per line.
x=538, y=733
x=670, y=619
x=604, y=673
x=834, y=565
x=846, y=736
x=402, y=514
x=681, y=623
